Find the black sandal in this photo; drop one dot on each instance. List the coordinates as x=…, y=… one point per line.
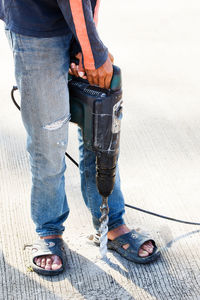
x=135, y=241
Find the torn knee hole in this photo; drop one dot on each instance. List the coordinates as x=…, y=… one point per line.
x=58, y=123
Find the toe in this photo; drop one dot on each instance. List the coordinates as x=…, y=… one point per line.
x=37, y=261
x=48, y=264
x=56, y=262
x=43, y=262
x=148, y=246
x=143, y=253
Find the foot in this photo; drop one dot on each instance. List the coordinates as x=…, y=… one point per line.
x=145, y=250
x=49, y=262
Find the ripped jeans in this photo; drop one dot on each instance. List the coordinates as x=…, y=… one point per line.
x=41, y=71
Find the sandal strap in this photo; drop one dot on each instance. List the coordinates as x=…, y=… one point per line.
x=134, y=239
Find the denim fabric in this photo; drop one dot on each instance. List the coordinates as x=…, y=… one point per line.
x=41, y=70
x=90, y=194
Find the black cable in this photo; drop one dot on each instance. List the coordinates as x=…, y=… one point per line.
x=13, y=98
x=161, y=216
x=127, y=205
x=73, y=160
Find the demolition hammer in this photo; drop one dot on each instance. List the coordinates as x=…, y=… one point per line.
x=98, y=113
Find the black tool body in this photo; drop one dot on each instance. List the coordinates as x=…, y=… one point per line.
x=98, y=112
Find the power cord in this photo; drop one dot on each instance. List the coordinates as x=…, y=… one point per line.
x=127, y=205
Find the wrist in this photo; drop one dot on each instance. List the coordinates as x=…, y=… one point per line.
x=100, y=61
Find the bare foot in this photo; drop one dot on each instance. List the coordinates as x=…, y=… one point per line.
x=145, y=250
x=49, y=262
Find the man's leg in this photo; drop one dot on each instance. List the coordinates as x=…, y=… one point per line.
x=116, y=225
x=41, y=69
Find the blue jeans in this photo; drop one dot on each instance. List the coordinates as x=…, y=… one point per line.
x=41, y=71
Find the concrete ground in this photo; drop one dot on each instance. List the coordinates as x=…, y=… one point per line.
x=157, y=45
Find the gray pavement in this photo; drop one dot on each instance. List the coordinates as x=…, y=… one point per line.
x=157, y=45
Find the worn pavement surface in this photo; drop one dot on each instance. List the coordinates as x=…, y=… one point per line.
x=157, y=45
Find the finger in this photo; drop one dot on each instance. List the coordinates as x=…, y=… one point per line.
x=71, y=71
x=108, y=81
x=74, y=69
x=79, y=56
x=81, y=74
x=111, y=57
x=96, y=80
x=72, y=66
x=101, y=82
x=80, y=66
x=81, y=70
x=90, y=79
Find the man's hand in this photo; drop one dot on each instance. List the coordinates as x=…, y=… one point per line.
x=100, y=77
x=103, y=75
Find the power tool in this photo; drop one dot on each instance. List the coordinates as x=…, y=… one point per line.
x=98, y=113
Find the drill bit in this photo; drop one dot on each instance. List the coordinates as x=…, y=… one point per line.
x=103, y=230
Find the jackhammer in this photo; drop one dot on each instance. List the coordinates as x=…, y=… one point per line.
x=98, y=113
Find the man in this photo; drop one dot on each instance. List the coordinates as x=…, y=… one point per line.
x=41, y=34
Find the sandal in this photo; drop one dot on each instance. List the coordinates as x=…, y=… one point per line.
x=48, y=247
x=135, y=240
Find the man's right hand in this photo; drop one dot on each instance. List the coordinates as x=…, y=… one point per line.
x=103, y=75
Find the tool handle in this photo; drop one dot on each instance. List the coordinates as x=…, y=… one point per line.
x=116, y=82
